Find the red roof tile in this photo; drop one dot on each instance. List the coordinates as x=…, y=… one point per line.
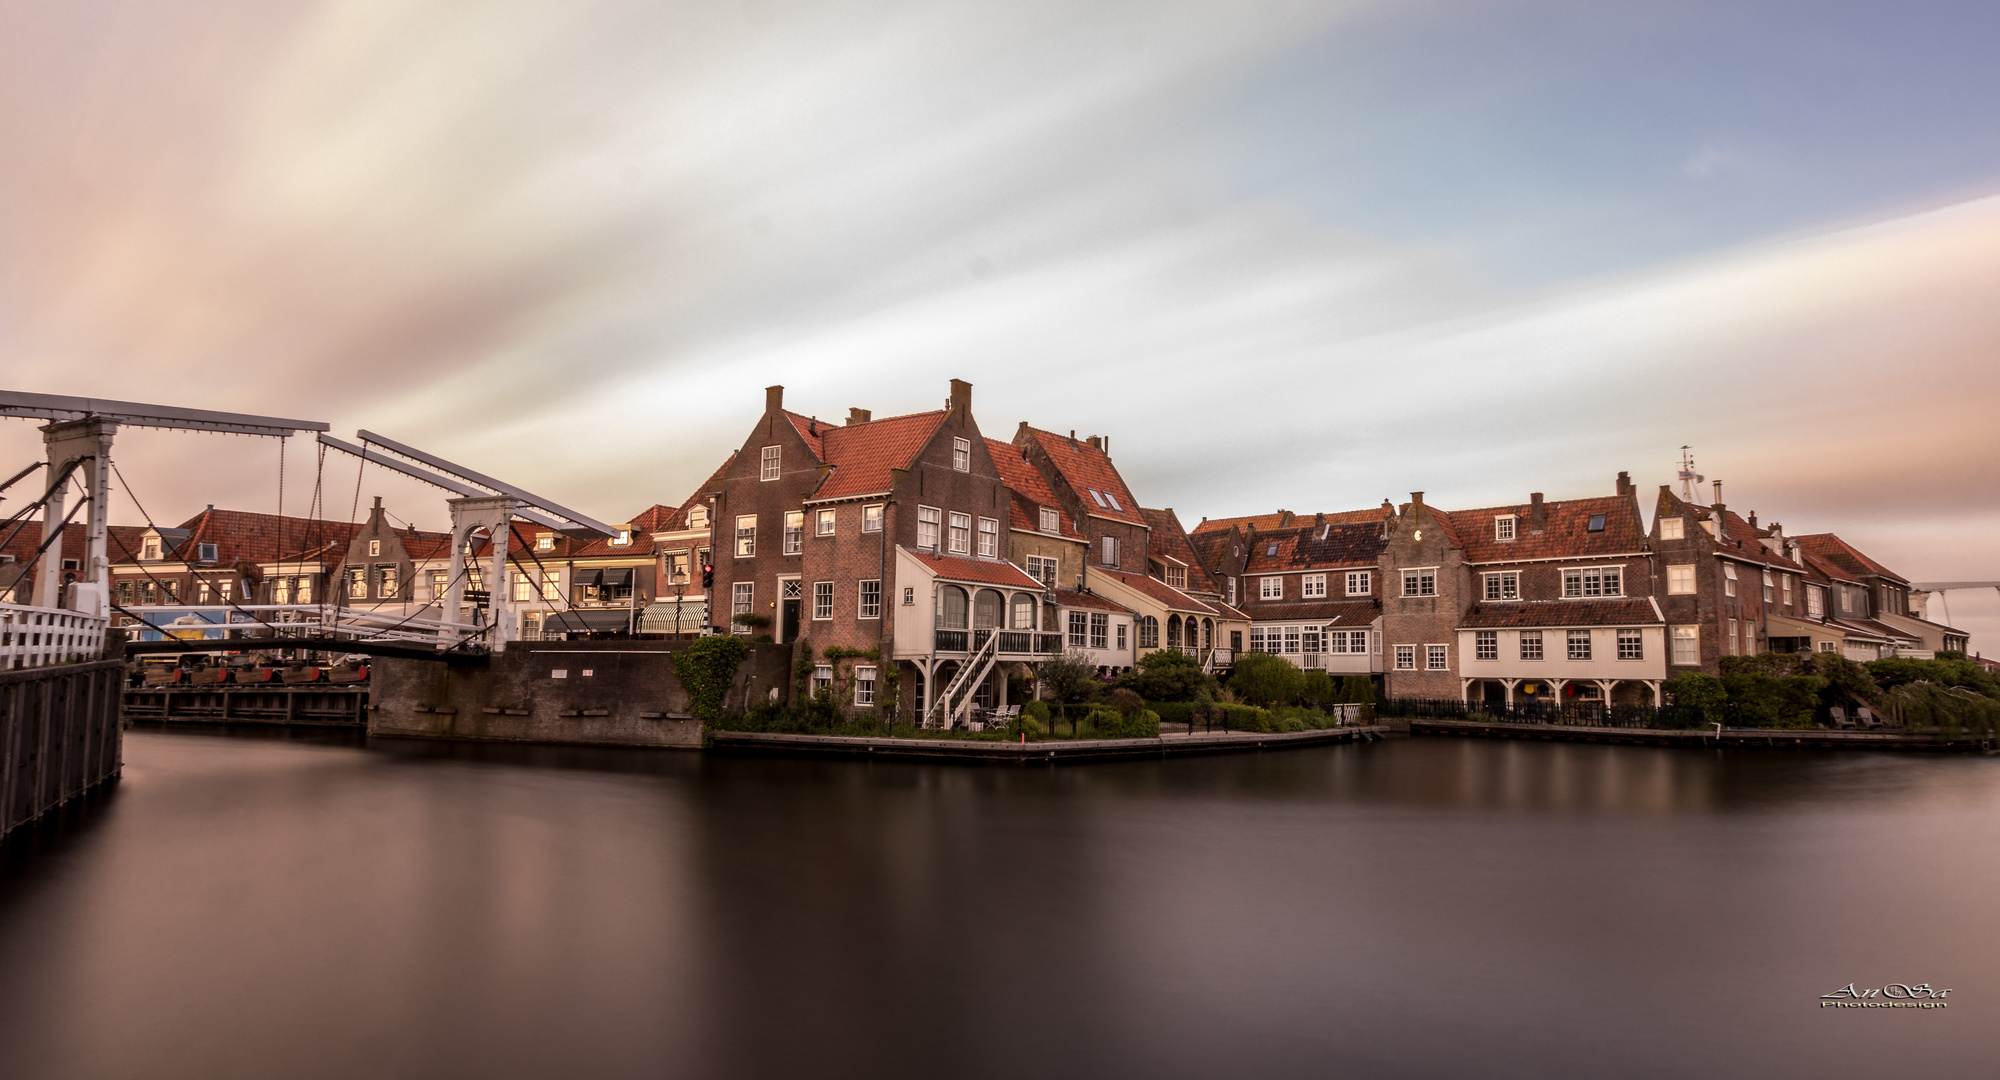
x=1541, y=614
x=1310, y=547
x=1346, y=612
x=1565, y=530
x=810, y=430
x=984, y=571
x=1030, y=492
x=1073, y=599
x=863, y=454
x=1285, y=519
x=1162, y=593
x=1088, y=469
x=1840, y=553
x=1170, y=540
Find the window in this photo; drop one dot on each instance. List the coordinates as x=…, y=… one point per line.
x=1767, y=587
x=928, y=520
x=871, y=599
x=206, y=552
x=772, y=467
x=677, y=567
x=1257, y=639
x=790, y=589
x=1100, y=630
x=281, y=591
x=439, y=584
x=1732, y=637
x=523, y=588
x=1149, y=632
x=1631, y=645
x=150, y=548
x=1579, y=644
x=550, y=586
x=1177, y=576
x=1815, y=601
x=1312, y=585
x=1505, y=585
x=961, y=533
x=375, y=547
x=1596, y=523
x=871, y=519
x=1042, y=570
x=1023, y=607
x=697, y=519
x=1531, y=644
x=1099, y=497
x=1786, y=581
x=864, y=686
x=1436, y=657
x=1406, y=657
x=989, y=538
x=823, y=523
x=1108, y=551
x=795, y=531
x=1687, y=644
x=961, y=455
x=1826, y=646
x=545, y=542
x=357, y=583
x=171, y=590
x=741, y=598
x=386, y=582
x=1360, y=582
x=1672, y=529
x=1232, y=591
x=1292, y=640
x=227, y=588
x=1079, y=629
x=124, y=594
x=1422, y=582
x=1486, y=645
x=1503, y=527
x=1729, y=579
x=909, y=597
x=1121, y=637
x=1594, y=581
x=822, y=599
x=822, y=677
x=1051, y=519
x=623, y=539
x=1271, y=588
x=201, y=593
x=1113, y=500
x=746, y=536
x=1680, y=580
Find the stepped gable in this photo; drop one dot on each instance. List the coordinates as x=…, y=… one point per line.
x=1028, y=491
x=1832, y=549
x=1546, y=614
x=863, y=455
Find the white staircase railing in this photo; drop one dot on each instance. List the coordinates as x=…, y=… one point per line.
x=38, y=636
x=970, y=674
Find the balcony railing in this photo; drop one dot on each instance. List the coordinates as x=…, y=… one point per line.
x=1016, y=642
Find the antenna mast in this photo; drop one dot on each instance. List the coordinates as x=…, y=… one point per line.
x=1689, y=478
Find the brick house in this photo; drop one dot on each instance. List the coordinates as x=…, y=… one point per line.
x=1079, y=473
x=220, y=558
x=1042, y=537
x=683, y=544
x=1726, y=586
x=1311, y=588
x=1878, y=597
x=812, y=522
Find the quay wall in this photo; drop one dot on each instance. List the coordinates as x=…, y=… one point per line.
x=607, y=693
x=59, y=736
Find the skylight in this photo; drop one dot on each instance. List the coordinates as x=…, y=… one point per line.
x=1596, y=523
x=1096, y=494
x=1272, y=550
x=1113, y=500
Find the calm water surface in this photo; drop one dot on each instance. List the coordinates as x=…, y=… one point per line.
x=257, y=906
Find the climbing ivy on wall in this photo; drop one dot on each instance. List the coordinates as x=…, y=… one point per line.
x=707, y=670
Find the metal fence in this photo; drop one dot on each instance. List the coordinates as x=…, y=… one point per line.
x=1584, y=714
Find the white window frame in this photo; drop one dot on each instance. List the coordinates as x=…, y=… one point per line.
x=1406, y=658
x=1590, y=582
x=746, y=536
x=1100, y=630
x=1672, y=529
x=1687, y=645
x=795, y=532
x=959, y=532
x=989, y=538
x=697, y=519
x=771, y=465
x=1312, y=586
x=545, y=543
x=374, y=548
x=1420, y=581
x=1079, y=629
x=1486, y=644
x=1769, y=592
x=1729, y=579
x=1108, y=550
x=1437, y=658
x=1785, y=581
x=1579, y=642
x=1270, y=588
x=1680, y=579
x=871, y=518
x=1051, y=521
x=1177, y=577
x=930, y=528
x=1815, y=601
x=1360, y=582
x=1043, y=569
x=1505, y=526
x=742, y=598
x=961, y=455
x=1530, y=647
x=1631, y=644
x=864, y=685
x=825, y=522
x=869, y=605
x=1501, y=585
x=822, y=606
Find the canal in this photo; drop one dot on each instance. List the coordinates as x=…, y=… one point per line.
x=247, y=905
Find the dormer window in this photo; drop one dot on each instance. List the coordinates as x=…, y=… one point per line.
x=698, y=518
x=206, y=552
x=1503, y=527
x=149, y=549
x=1051, y=520
x=545, y=542
x=1596, y=523
x=622, y=539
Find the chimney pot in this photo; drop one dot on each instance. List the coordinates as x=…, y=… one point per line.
x=1096, y=442
x=774, y=398
x=1624, y=482
x=858, y=416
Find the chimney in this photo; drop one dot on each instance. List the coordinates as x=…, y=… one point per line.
x=1717, y=508
x=961, y=399
x=1095, y=442
x=1538, y=515
x=1285, y=518
x=1753, y=519
x=1624, y=482
x=774, y=398
x=1416, y=501
x=858, y=416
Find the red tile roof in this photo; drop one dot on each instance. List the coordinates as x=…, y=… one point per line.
x=1161, y=593
x=1737, y=538
x=1170, y=540
x=243, y=536
x=1311, y=547
x=1565, y=531
x=1030, y=492
x=1346, y=612
x=983, y=571
x=1285, y=519
x=1073, y=599
x=1088, y=469
x=1840, y=553
x=810, y=430
x=863, y=454
x=1542, y=614
x=1821, y=572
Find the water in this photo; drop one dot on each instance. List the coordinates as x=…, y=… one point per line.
x=249, y=906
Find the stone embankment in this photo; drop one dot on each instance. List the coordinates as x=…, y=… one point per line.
x=1811, y=738
x=1030, y=753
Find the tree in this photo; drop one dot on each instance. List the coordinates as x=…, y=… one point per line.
x=1317, y=688
x=1069, y=676
x=1700, y=691
x=1901, y=670
x=1357, y=690
x=1168, y=675
x=1265, y=679
x=1767, y=701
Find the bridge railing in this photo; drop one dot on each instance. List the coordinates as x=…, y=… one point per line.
x=273, y=622
x=38, y=637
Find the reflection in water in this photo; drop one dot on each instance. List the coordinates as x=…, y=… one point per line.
x=315, y=907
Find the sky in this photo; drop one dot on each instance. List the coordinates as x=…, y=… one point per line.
x=1284, y=254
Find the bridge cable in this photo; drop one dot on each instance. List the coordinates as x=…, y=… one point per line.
x=276, y=629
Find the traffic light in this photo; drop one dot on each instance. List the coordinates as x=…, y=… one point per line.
x=707, y=575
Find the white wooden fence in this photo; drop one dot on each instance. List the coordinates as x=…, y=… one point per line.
x=38, y=637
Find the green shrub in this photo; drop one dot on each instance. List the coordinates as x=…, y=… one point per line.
x=1125, y=701
x=1038, y=711
x=707, y=670
x=1167, y=675
x=1700, y=691
x=1029, y=724
x=1264, y=679
x=1112, y=724
x=1174, y=714
x=1316, y=687
x=1357, y=690
x=1245, y=718
x=1767, y=701
x=1901, y=671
